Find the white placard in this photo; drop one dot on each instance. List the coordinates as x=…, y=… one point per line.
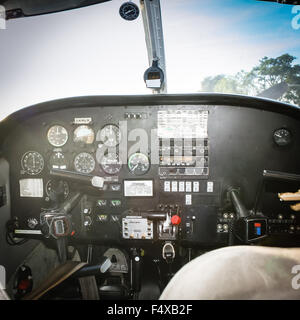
x=138, y=188
x=182, y=124
x=154, y=83
x=31, y=188
x=82, y=120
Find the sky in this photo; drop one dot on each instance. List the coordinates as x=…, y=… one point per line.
x=93, y=51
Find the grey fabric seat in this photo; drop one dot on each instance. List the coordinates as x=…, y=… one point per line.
x=240, y=272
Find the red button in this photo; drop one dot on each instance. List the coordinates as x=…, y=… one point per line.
x=24, y=284
x=256, y=224
x=175, y=220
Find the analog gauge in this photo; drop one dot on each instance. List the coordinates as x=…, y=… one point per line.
x=110, y=135
x=57, y=136
x=115, y=203
x=57, y=187
x=138, y=164
x=32, y=223
x=84, y=134
x=102, y=203
x=58, y=161
x=282, y=137
x=129, y=11
x=84, y=163
x=110, y=163
x=32, y=162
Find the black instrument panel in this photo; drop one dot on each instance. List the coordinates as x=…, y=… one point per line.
x=151, y=161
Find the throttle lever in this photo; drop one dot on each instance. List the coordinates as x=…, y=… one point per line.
x=239, y=207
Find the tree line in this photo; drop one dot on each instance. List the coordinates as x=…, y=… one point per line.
x=276, y=78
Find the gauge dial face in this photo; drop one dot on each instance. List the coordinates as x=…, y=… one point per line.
x=57, y=136
x=282, y=137
x=110, y=163
x=57, y=186
x=58, y=161
x=84, y=163
x=102, y=203
x=115, y=203
x=110, y=135
x=84, y=134
x=129, y=11
x=32, y=162
x=138, y=164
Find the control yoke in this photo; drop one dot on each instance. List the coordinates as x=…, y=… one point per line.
x=57, y=224
x=94, y=181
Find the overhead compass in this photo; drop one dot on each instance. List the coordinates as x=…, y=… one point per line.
x=129, y=11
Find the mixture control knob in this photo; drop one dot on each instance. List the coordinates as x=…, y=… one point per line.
x=176, y=220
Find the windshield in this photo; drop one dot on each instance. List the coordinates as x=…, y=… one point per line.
x=244, y=47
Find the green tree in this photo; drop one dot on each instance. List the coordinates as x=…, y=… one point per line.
x=272, y=71
x=209, y=83
x=268, y=73
x=221, y=83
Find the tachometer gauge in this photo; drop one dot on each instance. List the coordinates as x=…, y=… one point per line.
x=84, y=163
x=138, y=164
x=32, y=162
x=58, y=187
x=110, y=135
x=57, y=136
x=110, y=163
x=282, y=137
x=84, y=134
x=58, y=161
